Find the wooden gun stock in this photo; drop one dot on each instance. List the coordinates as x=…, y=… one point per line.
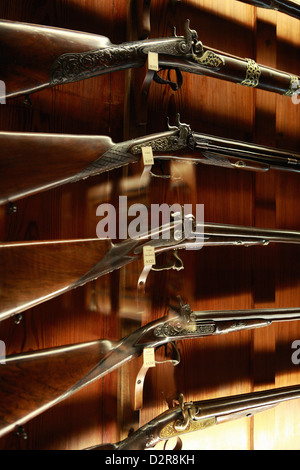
x=29, y=52
x=44, y=380
x=44, y=271
x=30, y=163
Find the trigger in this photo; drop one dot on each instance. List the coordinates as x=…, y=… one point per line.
x=174, y=85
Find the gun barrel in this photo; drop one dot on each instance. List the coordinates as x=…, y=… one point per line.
x=267, y=314
x=248, y=403
x=290, y=7
x=274, y=158
x=241, y=232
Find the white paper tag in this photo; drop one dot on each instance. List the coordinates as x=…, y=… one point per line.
x=149, y=256
x=149, y=357
x=147, y=153
x=153, y=61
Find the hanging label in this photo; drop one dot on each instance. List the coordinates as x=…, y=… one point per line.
x=149, y=357
x=147, y=153
x=153, y=61
x=149, y=255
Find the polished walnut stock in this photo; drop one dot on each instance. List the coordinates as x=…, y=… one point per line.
x=38, y=57
x=199, y=415
x=33, y=272
x=32, y=382
x=29, y=54
x=290, y=7
x=31, y=163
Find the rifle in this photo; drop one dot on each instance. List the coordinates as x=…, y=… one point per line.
x=194, y=416
x=35, y=271
x=290, y=7
x=32, y=162
x=38, y=380
x=37, y=57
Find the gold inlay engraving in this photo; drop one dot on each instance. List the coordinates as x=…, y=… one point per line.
x=169, y=431
x=210, y=59
x=253, y=74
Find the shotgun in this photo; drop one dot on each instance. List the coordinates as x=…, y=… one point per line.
x=194, y=416
x=35, y=271
x=37, y=57
x=290, y=7
x=31, y=162
x=37, y=380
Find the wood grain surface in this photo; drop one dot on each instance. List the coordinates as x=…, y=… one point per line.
x=214, y=277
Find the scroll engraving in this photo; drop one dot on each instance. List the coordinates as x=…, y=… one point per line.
x=161, y=144
x=179, y=328
x=169, y=430
x=72, y=67
x=253, y=74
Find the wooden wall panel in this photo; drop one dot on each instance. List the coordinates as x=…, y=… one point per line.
x=213, y=278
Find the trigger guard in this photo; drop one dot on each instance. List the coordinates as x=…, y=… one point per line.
x=178, y=445
x=176, y=264
x=176, y=358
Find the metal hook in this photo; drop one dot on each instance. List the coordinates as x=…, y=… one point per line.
x=17, y=318
x=20, y=432
x=11, y=209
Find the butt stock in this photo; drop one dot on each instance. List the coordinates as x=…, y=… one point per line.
x=29, y=54
x=30, y=163
x=44, y=271
x=38, y=381
x=36, y=271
